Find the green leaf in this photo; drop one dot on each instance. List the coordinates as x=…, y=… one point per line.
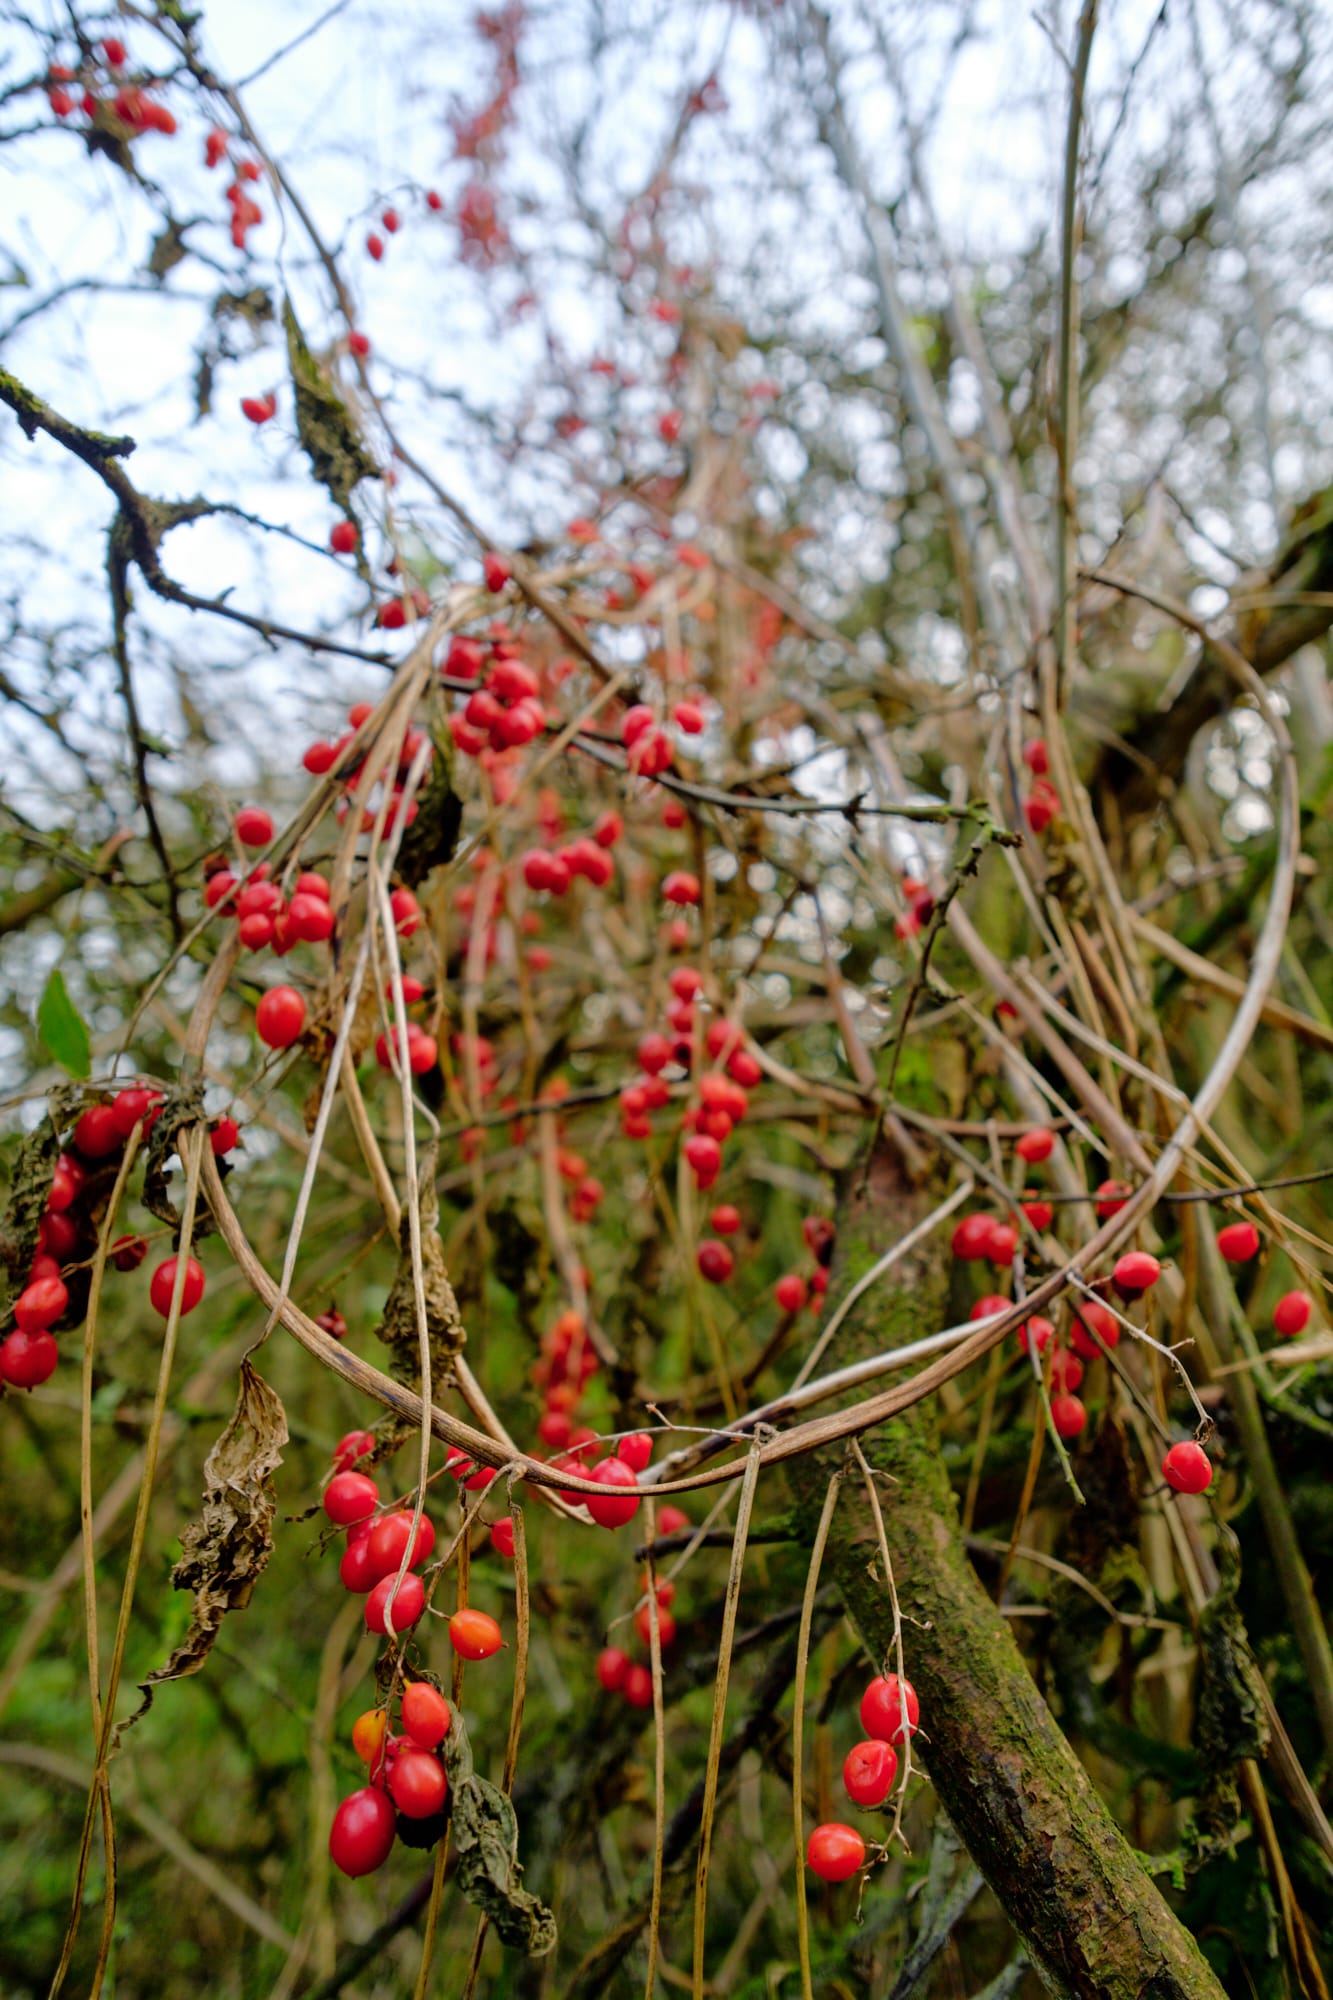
x=63, y=1031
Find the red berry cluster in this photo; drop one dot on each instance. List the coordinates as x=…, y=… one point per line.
x=1043, y=801
x=67, y=1235
x=617, y=1672
x=129, y=109
x=890, y=1713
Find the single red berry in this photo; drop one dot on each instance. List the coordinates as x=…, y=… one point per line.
x=1238, y=1242
x=128, y=1252
x=350, y=1497
x=1037, y=757
x=28, y=1359
x=502, y=1537
x=225, y=1135
x=637, y=1686
x=95, y=1132
x=496, y=571
x=357, y=1571
x=1037, y=1333
x=163, y=1282
x=40, y=1304
x=406, y=912
x=704, y=1157
x=887, y=1706
x=68, y=1181
x=725, y=1219
x=671, y=1520
x=133, y=1105
x=474, y=1635
x=869, y=1772
x=681, y=888
x=1110, y=1198
x=1135, y=1273
x=426, y=1715
x=835, y=1852
x=351, y=1446
x=359, y=344
x=374, y=246
x=668, y=426
x=1038, y=1214
x=971, y=1237
x=409, y=1601
x=1091, y=1323
x=1036, y=1145
x=643, y=1625
x=688, y=716
x=992, y=1302
x=362, y=1832
x=612, y=1666
x=1042, y=806
x=636, y=1450
x=417, y=1783
x=280, y=1017
x=391, y=219
x=791, y=1292
x=343, y=538
x=1291, y=1314
x=58, y=1236
x=253, y=827
x=114, y=51
x=434, y=201
x=715, y=1261
x=1001, y=1243
x=219, y=887
x=310, y=918
x=389, y=1539
x=1068, y=1415
x=621, y=1504
x=259, y=409
x=1187, y=1468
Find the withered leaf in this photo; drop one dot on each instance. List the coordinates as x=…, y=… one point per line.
x=485, y=1833
x=227, y=1546
x=433, y=835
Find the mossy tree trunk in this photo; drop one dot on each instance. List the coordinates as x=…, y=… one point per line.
x=1093, y=1922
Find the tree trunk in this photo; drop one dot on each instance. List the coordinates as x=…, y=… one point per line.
x=1093, y=1921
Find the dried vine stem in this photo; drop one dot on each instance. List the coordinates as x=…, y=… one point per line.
x=798, y=1727
x=900, y=1667
x=192, y=1150
x=732, y=1600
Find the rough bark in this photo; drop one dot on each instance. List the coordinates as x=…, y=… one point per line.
x=1094, y=1923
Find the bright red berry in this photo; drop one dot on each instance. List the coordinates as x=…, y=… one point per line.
x=95, y=1132
x=884, y=1706
x=39, y=1305
x=1136, y=1272
x=1238, y=1242
x=612, y=1666
x=163, y=1281
x=681, y=888
x=389, y=1539
x=1092, y=1322
x=1036, y=1145
x=1068, y=1415
x=28, y=1359
x=409, y=1601
x=1291, y=1314
x=253, y=827
x=350, y=1497
x=343, y=538
x=362, y=1832
x=621, y=1504
x=1187, y=1468
x=869, y=1771
x=426, y=1715
x=259, y=409
x=133, y=1105
x=502, y=1537
x=971, y=1237
x=417, y=1783
x=350, y=1447
x=791, y=1292
x=636, y=1450
x=1110, y=1198
x=637, y=1686
x=835, y=1852
x=280, y=1017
